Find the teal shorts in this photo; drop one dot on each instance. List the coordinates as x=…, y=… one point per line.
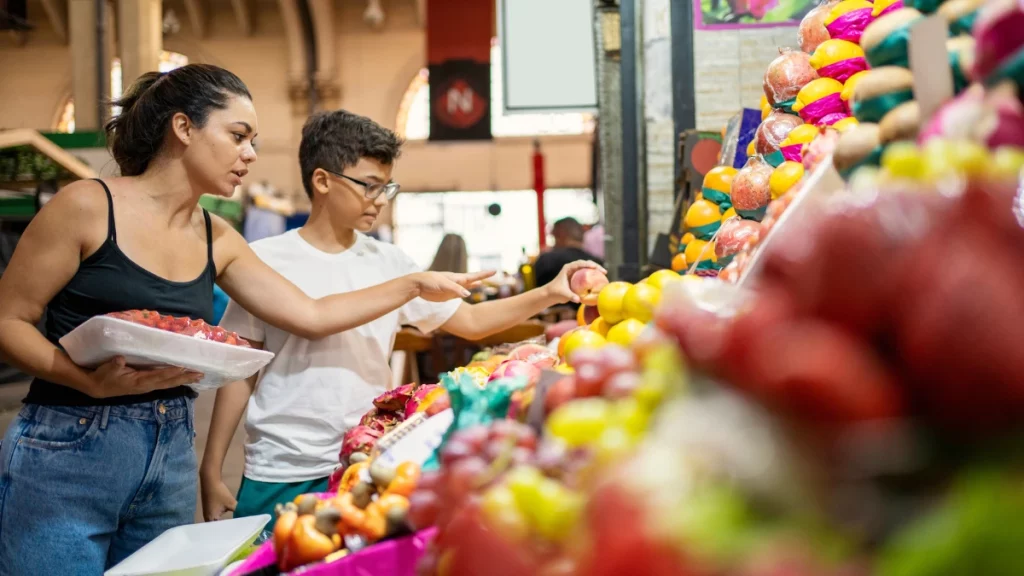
x=255, y=498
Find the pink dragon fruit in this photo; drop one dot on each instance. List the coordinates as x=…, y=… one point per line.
x=381, y=420
x=395, y=400
x=429, y=398
x=539, y=356
x=359, y=439
x=515, y=368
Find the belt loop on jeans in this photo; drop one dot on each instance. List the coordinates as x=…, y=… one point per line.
x=104, y=416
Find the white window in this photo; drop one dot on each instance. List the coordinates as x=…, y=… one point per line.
x=413, y=121
x=493, y=242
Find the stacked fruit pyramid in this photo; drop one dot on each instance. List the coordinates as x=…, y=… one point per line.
x=847, y=97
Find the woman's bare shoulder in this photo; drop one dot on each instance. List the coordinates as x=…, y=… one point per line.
x=78, y=205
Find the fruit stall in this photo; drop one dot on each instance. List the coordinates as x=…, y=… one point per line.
x=824, y=384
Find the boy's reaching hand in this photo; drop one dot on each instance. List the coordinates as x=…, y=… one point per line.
x=559, y=289
x=443, y=286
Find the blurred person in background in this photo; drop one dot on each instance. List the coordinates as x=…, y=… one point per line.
x=451, y=255
x=568, y=233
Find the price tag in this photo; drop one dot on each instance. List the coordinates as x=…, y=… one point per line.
x=535, y=416
x=929, y=61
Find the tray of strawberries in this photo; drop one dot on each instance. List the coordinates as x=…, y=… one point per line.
x=148, y=339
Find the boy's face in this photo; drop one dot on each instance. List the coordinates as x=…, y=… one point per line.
x=346, y=200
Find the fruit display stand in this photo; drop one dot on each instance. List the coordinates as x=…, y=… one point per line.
x=28, y=160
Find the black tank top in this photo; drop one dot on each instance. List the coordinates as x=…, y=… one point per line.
x=108, y=281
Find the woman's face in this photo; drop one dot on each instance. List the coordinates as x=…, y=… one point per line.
x=218, y=154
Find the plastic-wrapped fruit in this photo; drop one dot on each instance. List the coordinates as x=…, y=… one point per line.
x=994, y=119
x=701, y=253
x=786, y=75
x=838, y=59
x=885, y=40
x=717, y=186
x=750, y=190
x=792, y=147
x=999, y=40
x=773, y=131
x=848, y=19
x=783, y=178
x=812, y=30
x=733, y=236
x=820, y=102
x=702, y=219
x=820, y=149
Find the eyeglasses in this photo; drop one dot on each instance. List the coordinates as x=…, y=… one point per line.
x=390, y=190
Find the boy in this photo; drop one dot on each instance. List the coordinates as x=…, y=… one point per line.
x=313, y=391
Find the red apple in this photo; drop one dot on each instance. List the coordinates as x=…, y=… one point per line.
x=586, y=284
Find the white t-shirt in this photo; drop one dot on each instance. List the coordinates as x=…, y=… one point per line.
x=313, y=391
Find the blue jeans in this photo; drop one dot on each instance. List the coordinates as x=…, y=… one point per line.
x=82, y=488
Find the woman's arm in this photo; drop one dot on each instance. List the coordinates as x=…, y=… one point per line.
x=272, y=298
x=46, y=259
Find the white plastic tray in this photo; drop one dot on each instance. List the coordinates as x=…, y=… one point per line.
x=101, y=338
x=192, y=550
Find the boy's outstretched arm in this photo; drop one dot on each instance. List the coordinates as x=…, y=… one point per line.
x=228, y=408
x=475, y=321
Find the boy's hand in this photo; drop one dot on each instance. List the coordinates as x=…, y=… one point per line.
x=558, y=288
x=217, y=499
x=444, y=286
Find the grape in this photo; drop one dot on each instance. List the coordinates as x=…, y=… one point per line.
x=522, y=456
x=589, y=380
x=454, y=451
x=621, y=385
x=429, y=480
x=615, y=359
x=580, y=421
x=586, y=357
x=903, y=159
x=424, y=508
x=465, y=475
x=551, y=456
x=495, y=448
x=474, y=436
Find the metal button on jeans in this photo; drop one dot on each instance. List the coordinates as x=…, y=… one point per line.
x=162, y=409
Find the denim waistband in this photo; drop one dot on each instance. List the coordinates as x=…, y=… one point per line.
x=157, y=411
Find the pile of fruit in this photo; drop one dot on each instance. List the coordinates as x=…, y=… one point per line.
x=371, y=504
x=180, y=325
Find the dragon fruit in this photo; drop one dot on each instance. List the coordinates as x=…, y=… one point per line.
x=359, y=439
x=516, y=368
x=395, y=400
x=539, y=356
x=381, y=420
x=429, y=398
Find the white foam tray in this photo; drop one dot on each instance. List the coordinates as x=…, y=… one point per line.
x=192, y=550
x=101, y=338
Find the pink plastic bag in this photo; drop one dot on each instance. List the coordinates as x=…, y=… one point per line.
x=393, y=557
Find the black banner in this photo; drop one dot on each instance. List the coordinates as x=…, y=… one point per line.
x=460, y=100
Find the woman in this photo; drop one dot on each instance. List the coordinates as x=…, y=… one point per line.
x=451, y=255
x=100, y=462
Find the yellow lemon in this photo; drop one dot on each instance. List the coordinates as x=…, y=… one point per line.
x=661, y=278
x=609, y=301
x=730, y=213
x=640, y=301
x=816, y=90
x=625, y=332
x=601, y=326
x=582, y=339
x=695, y=252
x=785, y=177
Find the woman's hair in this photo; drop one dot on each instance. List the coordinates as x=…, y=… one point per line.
x=451, y=255
x=136, y=135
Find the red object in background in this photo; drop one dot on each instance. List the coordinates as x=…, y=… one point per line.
x=538, y=187
x=459, y=36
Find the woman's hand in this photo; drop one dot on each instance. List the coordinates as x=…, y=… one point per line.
x=558, y=288
x=444, y=286
x=116, y=379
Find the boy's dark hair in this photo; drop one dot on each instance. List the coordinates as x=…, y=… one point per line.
x=136, y=135
x=336, y=140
